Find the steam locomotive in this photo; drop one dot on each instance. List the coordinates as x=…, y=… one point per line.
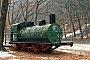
x=40, y=38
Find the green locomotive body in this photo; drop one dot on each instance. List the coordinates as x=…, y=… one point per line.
x=50, y=33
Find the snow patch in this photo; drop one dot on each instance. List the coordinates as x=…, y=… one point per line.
x=5, y=54
x=77, y=48
x=77, y=32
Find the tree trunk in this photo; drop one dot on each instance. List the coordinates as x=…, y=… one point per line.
x=3, y=21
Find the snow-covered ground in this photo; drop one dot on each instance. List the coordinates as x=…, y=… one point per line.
x=5, y=54
x=78, y=31
x=76, y=49
x=84, y=47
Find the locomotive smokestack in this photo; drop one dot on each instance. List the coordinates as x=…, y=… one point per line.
x=52, y=18
x=42, y=22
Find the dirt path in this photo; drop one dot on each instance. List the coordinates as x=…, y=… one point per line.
x=54, y=55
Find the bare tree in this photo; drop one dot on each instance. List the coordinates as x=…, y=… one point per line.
x=2, y=22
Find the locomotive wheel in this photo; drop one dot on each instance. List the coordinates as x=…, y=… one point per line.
x=23, y=47
x=34, y=48
x=37, y=48
x=17, y=47
x=46, y=48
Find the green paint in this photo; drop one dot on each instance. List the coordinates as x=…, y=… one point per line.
x=52, y=32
